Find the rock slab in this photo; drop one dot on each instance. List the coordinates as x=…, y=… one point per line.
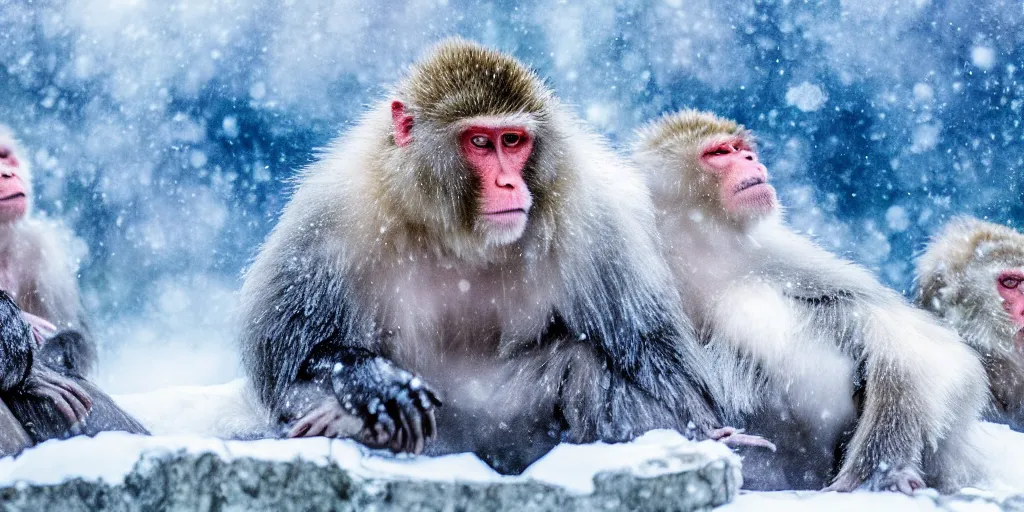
x=681, y=479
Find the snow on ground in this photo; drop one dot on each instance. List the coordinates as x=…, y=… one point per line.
x=230, y=411
x=110, y=456
x=226, y=411
x=843, y=502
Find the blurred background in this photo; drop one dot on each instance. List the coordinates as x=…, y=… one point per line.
x=164, y=132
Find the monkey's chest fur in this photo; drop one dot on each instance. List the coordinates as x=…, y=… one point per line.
x=793, y=383
x=451, y=325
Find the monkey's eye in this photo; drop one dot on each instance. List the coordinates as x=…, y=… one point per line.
x=1009, y=283
x=480, y=141
x=511, y=139
x=721, y=150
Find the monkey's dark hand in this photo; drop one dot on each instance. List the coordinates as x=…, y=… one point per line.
x=396, y=406
x=735, y=438
x=905, y=480
x=67, y=396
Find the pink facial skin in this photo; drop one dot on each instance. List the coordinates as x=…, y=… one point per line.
x=497, y=154
x=1010, y=284
x=743, y=180
x=13, y=198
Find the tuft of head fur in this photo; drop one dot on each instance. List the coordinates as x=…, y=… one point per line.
x=688, y=128
x=965, y=241
x=430, y=182
x=460, y=79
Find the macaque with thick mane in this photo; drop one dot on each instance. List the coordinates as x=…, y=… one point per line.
x=858, y=388
x=972, y=276
x=52, y=399
x=469, y=243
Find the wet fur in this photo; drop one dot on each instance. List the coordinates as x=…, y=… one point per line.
x=850, y=381
x=570, y=333
x=38, y=271
x=956, y=278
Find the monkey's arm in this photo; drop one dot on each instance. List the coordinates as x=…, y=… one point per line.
x=15, y=365
x=16, y=349
x=317, y=366
x=1006, y=380
x=38, y=415
x=922, y=388
x=649, y=373
x=23, y=373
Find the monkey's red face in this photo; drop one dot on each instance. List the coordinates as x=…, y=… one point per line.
x=13, y=193
x=742, y=180
x=1010, y=284
x=498, y=155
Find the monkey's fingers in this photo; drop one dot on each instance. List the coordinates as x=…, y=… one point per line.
x=301, y=428
x=322, y=425
x=721, y=433
x=426, y=400
x=738, y=440
x=44, y=326
x=66, y=389
x=906, y=481
x=409, y=437
x=81, y=408
x=297, y=430
x=304, y=426
x=398, y=439
x=412, y=417
x=384, y=427
x=53, y=394
x=78, y=391
x=429, y=425
x=735, y=438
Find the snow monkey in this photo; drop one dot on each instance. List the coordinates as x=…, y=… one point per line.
x=860, y=389
x=469, y=242
x=971, y=275
x=50, y=397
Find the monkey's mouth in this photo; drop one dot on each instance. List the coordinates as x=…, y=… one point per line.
x=749, y=183
x=16, y=195
x=511, y=212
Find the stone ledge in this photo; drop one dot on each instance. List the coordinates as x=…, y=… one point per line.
x=683, y=476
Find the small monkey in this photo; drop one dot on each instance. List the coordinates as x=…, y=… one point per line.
x=38, y=277
x=971, y=276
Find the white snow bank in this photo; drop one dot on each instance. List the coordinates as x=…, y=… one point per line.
x=189, y=415
x=659, y=452
x=110, y=456
x=227, y=411
x=811, y=501
x=1002, y=451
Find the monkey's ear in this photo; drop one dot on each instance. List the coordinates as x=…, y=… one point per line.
x=402, y=123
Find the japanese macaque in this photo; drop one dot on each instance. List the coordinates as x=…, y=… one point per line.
x=38, y=277
x=469, y=243
x=971, y=275
x=858, y=388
